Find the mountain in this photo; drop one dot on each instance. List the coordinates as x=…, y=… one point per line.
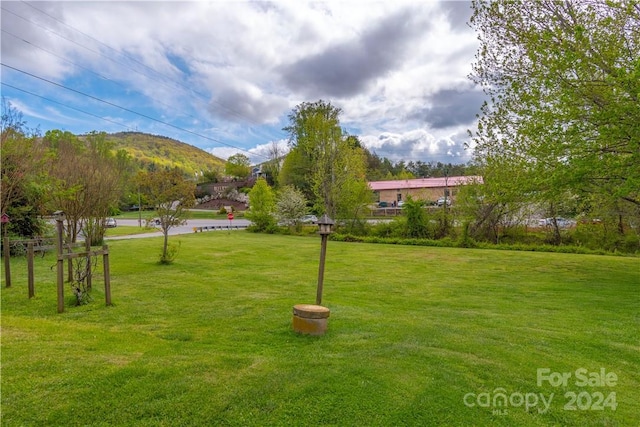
x=162, y=152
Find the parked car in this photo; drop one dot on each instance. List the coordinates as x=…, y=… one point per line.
x=442, y=200
x=383, y=204
x=309, y=219
x=401, y=203
x=111, y=223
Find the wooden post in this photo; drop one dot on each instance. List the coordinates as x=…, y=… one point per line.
x=30, y=274
x=107, y=275
x=60, y=269
x=5, y=255
x=88, y=248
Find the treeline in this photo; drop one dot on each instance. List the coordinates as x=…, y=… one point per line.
x=88, y=177
x=383, y=169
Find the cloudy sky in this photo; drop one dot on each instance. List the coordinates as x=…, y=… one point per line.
x=224, y=75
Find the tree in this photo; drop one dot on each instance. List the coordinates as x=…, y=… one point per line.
x=171, y=195
x=353, y=194
x=291, y=205
x=23, y=182
x=87, y=181
x=238, y=166
x=67, y=180
x=321, y=149
x=295, y=171
x=417, y=221
x=262, y=204
x=563, y=81
x=273, y=166
x=106, y=177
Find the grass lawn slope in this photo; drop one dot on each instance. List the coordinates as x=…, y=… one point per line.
x=418, y=336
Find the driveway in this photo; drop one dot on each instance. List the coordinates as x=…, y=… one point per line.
x=182, y=229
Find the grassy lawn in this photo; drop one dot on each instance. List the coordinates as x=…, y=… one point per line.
x=417, y=336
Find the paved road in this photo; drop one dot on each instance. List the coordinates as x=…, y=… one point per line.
x=182, y=229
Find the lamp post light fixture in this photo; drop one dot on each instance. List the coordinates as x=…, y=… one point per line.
x=324, y=225
x=312, y=319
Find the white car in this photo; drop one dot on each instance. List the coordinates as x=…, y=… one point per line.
x=111, y=223
x=309, y=219
x=442, y=200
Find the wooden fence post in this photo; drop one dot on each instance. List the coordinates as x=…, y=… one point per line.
x=88, y=267
x=107, y=275
x=30, y=274
x=60, y=269
x=7, y=262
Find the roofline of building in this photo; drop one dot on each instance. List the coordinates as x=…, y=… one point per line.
x=441, y=182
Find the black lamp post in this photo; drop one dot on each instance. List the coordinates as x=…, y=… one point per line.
x=324, y=225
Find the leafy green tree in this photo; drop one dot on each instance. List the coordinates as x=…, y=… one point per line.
x=319, y=144
x=262, y=202
x=273, y=166
x=417, y=221
x=563, y=80
x=296, y=170
x=211, y=175
x=238, y=166
x=23, y=182
x=171, y=195
x=353, y=194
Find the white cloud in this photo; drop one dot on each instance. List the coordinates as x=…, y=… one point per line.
x=232, y=71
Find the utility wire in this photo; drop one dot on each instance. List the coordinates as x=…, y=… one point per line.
x=68, y=106
x=128, y=110
x=190, y=90
x=133, y=59
x=90, y=70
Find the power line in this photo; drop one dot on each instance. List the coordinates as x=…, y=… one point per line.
x=88, y=69
x=261, y=133
x=128, y=110
x=177, y=83
x=66, y=106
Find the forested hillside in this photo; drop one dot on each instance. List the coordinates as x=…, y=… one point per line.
x=155, y=151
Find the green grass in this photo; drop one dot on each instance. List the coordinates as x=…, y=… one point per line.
x=208, y=340
x=128, y=230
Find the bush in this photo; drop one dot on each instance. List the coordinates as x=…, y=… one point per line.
x=393, y=228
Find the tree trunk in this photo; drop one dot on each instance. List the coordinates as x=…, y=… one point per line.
x=165, y=245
